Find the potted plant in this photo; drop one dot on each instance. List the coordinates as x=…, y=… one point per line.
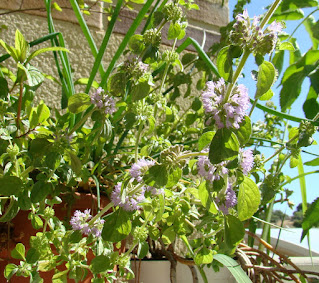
x=171, y=173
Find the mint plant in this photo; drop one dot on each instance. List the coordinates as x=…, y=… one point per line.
x=172, y=172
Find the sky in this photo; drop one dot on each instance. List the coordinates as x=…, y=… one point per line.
x=258, y=7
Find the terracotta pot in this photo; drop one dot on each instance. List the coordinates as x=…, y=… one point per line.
x=23, y=230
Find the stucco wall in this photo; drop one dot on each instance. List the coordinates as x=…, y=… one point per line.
x=29, y=17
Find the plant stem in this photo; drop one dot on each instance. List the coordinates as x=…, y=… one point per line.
x=281, y=149
x=253, y=107
x=19, y=104
x=82, y=121
x=105, y=209
x=270, y=12
x=316, y=117
x=191, y=154
x=140, y=127
x=266, y=225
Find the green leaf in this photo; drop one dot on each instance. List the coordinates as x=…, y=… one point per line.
x=60, y=277
x=76, y=236
x=140, y=91
x=234, y=268
x=278, y=60
x=100, y=264
x=21, y=46
x=312, y=27
x=314, y=162
x=315, y=30
x=117, y=84
x=18, y=252
x=248, y=199
x=224, y=63
x=38, y=115
x=224, y=146
x=36, y=221
x=40, y=190
x=84, y=81
x=11, y=50
x=266, y=78
x=174, y=30
x=142, y=250
x=206, y=199
x=244, y=132
x=205, y=139
x=117, y=226
x=267, y=96
x=32, y=256
x=47, y=49
x=136, y=43
x=288, y=15
x=10, y=185
x=4, y=89
x=168, y=235
x=204, y=256
x=286, y=46
x=174, y=176
x=156, y=176
x=79, y=102
x=34, y=76
x=234, y=231
x=311, y=218
x=10, y=270
x=11, y=211
x=311, y=105
x=76, y=164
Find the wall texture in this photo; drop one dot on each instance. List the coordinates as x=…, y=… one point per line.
x=29, y=17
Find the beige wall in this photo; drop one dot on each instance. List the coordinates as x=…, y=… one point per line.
x=32, y=23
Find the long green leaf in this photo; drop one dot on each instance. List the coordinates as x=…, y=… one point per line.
x=303, y=189
x=99, y=56
x=86, y=31
x=234, y=268
x=282, y=115
x=42, y=50
x=201, y=53
x=125, y=41
x=65, y=74
x=147, y=24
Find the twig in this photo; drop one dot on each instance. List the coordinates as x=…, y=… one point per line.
x=194, y=273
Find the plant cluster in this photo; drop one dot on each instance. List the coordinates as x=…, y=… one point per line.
x=171, y=171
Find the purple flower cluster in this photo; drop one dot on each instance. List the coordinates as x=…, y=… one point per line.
x=249, y=35
x=230, y=200
x=79, y=221
x=127, y=202
x=103, y=101
x=140, y=167
x=225, y=113
x=247, y=160
x=209, y=171
x=155, y=191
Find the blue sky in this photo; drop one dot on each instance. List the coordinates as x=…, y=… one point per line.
x=257, y=7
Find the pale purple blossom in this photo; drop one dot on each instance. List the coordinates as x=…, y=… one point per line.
x=225, y=113
x=140, y=167
x=80, y=221
x=247, y=160
x=128, y=202
x=275, y=27
x=103, y=101
x=229, y=201
x=155, y=191
x=209, y=171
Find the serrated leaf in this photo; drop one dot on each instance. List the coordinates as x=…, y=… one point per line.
x=117, y=226
x=10, y=185
x=248, y=199
x=142, y=250
x=267, y=96
x=205, y=139
x=266, y=78
x=174, y=30
x=140, y=91
x=224, y=146
x=100, y=264
x=286, y=46
x=174, y=176
x=205, y=198
x=32, y=256
x=244, y=132
x=21, y=46
x=40, y=190
x=4, y=89
x=76, y=164
x=156, y=176
x=10, y=270
x=79, y=102
x=234, y=231
x=18, y=252
x=204, y=256
x=224, y=63
x=11, y=50
x=311, y=217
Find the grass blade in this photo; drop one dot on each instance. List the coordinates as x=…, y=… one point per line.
x=85, y=31
x=201, y=53
x=123, y=44
x=99, y=56
x=234, y=268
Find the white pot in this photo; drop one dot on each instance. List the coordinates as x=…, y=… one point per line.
x=158, y=271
